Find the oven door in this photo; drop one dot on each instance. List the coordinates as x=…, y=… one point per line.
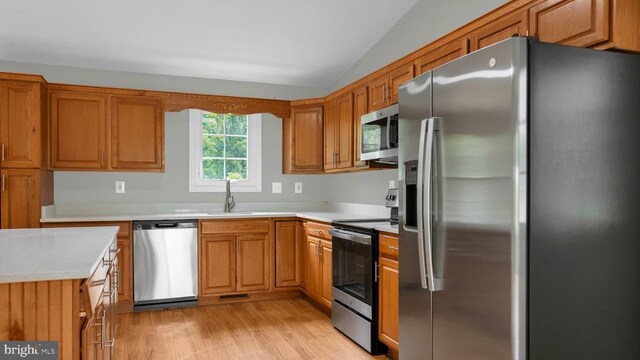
x=353, y=279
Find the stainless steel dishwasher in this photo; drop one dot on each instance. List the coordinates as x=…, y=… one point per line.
x=165, y=264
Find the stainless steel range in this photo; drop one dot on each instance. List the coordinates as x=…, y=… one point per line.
x=355, y=284
x=355, y=277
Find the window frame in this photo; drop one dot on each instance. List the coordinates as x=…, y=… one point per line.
x=254, y=156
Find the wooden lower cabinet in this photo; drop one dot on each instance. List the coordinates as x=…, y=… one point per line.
x=326, y=273
x=287, y=253
x=234, y=256
x=124, y=276
x=388, y=291
x=217, y=264
x=317, y=263
x=80, y=314
x=253, y=262
x=388, y=283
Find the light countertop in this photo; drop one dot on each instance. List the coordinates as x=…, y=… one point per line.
x=52, y=254
x=324, y=216
x=110, y=212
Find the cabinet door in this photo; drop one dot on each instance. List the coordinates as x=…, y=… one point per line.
x=217, y=264
x=500, y=29
x=137, y=134
x=20, y=198
x=287, y=254
x=442, y=55
x=124, y=273
x=379, y=93
x=313, y=266
x=397, y=78
x=344, y=147
x=388, y=302
x=326, y=273
x=330, y=135
x=78, y=131
x=307, y=131
x=20, y=124
x=253, y=262
x=302, y=249
x=360, y=107
x=570, y=22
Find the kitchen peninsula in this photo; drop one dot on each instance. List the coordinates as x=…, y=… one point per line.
x=58, y=285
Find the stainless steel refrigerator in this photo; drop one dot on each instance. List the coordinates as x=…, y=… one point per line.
x=520, y=206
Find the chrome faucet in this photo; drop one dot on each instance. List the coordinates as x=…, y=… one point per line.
x=229, y=202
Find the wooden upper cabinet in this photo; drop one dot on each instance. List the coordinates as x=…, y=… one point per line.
x=571, y=22
x=287, y=253
x=330, y=139
x=500, y=29
x=360, y=107
x=306, y=129
x=344, y=143
x=20, y=198
x=378, y=92
x=217, y=264
x=78, y=130
x=137, y=133
x=383, y=90
x=21, y=124
x=442, y=55
x=253, y=262
x=398, y=77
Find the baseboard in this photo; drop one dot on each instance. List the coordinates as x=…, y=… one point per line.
x=245, y=297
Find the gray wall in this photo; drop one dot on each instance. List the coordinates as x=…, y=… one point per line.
x=427, y=21
x=109, y=78
x=172, y=186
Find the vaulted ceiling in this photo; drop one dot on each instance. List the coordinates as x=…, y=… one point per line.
x=292, y=42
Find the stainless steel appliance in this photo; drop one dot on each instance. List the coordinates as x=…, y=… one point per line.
x=379, y=139
x=519, y=204
x=355, y=284
x=165, y=264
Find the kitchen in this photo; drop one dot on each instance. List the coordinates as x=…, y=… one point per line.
x=299, y=254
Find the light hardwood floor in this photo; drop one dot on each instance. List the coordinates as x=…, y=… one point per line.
x=277, y=329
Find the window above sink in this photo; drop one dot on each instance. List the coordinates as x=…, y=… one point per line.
x=224, y=146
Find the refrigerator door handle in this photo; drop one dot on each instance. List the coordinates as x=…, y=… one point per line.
x=425, y=161
x=420, y=204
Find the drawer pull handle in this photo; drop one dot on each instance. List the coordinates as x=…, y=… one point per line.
x=393, y=247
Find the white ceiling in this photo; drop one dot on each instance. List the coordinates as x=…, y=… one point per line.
x=293, y=42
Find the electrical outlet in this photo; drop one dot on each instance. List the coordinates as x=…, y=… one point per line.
x=119, y=187
x=276, y=187
x=298, y=188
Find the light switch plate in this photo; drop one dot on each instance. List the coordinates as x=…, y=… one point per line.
x=119, y=187
x=298, y=188
x=276, y=187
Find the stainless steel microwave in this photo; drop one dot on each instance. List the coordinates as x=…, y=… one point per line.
x=379, y=135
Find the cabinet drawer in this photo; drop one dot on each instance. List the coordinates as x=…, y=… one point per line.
x=234, y=226
x=319, y=230
x=389, y=246
x=93, y=288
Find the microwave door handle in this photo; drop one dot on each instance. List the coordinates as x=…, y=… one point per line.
x=388, y=132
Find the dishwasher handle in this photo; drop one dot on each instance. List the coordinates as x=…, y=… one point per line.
x=165, y=224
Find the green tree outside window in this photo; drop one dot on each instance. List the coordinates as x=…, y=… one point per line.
x=225, y=146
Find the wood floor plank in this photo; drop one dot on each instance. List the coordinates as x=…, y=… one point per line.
x=276, y=329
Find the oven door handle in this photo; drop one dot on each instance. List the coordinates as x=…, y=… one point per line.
x=355, y=237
